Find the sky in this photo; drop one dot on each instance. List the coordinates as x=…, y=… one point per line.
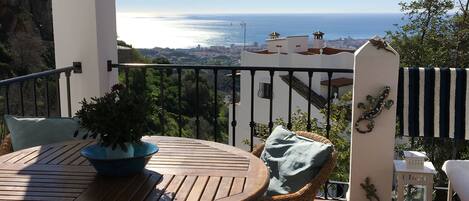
x=257, y=6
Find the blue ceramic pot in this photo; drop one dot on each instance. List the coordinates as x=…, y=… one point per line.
x=96, y=154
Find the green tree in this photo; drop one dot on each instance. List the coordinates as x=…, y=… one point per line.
x=435, y=33
x=123, y=44
x=5, y=59
x=166, y=121
x=460, y=28
x=160, y=60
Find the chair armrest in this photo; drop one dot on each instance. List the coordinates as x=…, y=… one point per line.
x=257, y=151
x=5, y=146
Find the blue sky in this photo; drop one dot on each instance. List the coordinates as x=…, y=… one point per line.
x=257, y=6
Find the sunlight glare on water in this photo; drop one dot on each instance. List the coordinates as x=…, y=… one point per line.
x=187, y=31
x=145, y=31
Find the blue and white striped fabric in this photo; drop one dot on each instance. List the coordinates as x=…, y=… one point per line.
x=432, y=102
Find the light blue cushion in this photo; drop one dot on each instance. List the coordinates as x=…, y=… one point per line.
x=292, y=160
x=29, y=132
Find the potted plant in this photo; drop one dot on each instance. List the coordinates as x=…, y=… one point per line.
x=118, y=120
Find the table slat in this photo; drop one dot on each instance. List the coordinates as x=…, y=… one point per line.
x=198, y=189
x=159, y=190
x=69, y=153
x=147, y=187
x=224, y=188
x=211, y=188
x=172, y=188
x=127, y=191
x=238, y=186
x=186, y=188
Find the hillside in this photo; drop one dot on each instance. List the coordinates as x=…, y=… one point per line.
x=26, y=36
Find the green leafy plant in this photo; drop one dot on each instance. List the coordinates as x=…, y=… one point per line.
x=120, y=116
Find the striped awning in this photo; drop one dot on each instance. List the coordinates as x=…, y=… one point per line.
x=432, y=102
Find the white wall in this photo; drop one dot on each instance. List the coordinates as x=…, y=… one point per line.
x=289, y=44
x=314, y=61
x=372, y=153
x=85, y=31
x=280, y=94
x=273, y=45
x=297, y=44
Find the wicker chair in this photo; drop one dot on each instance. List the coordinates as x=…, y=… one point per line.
x=309, y=191
x=5, y=146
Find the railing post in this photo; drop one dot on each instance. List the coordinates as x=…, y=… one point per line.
x=7, y=99
x=215, y=105
x=376, y=66
x=290, y=86
x=233, y=102
x=46, y=80
x=197, y=104
x=22, y=98
x=35, y=96
x=328, y=109
x=310, y=79
x=179, y=70
x=162, y=98
x=252, y=124
x=271, y=101
x=69, y=103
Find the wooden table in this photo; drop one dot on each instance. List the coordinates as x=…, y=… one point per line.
x=183, y=169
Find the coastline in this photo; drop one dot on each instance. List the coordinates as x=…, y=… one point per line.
x=188, y=31
x=222, y=55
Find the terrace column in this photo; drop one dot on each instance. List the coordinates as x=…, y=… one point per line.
x=85, y=31
x=372, y=154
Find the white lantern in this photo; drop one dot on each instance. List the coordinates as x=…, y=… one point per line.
x=415, y=159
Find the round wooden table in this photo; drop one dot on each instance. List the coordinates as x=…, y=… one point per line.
x=183, y=169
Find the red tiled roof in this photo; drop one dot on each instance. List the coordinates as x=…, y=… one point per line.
x=313, y=51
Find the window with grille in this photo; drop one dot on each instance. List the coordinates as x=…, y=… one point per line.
x=265, y=90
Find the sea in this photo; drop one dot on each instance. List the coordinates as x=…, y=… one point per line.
x=188, y=31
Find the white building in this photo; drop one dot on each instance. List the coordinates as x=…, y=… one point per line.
x=292, y=51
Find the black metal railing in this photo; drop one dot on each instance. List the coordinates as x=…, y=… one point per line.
x=234, y=69
x=30, y=95
x=36, y=91
x=38, y=94
x=233, y=72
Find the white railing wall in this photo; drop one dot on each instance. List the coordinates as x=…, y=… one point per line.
x=372, y=154
x=85, y=31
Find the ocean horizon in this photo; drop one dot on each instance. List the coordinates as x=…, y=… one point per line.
x=187, y=31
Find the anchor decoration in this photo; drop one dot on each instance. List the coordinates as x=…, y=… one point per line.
x=373, y=109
